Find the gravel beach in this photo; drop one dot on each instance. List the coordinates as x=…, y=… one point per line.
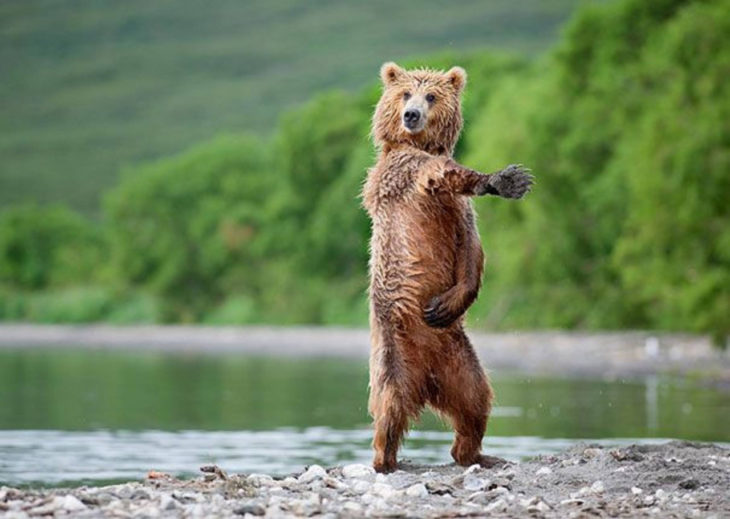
x=677, y=479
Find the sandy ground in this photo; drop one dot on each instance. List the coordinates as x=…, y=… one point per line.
x=677, y=479
x=562, y=353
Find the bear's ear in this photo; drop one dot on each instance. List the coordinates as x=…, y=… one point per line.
x=390, y=72
x=457, y=78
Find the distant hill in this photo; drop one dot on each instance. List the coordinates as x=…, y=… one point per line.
x=89, y=86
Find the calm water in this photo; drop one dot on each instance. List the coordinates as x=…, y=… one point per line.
x=95, y=416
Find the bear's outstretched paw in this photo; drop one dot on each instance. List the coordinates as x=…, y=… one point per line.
x=514, y=181
x=438, y=314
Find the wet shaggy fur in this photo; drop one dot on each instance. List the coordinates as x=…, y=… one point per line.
x=426, y=265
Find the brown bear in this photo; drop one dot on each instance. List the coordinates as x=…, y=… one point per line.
x=426, y=263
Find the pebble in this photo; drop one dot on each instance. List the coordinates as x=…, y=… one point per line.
x=689, y=484
x=636, y=491
x=472, y=469
x=360, y=487
x=147, y=511
x=592, y=452
x=572, y=501
x=417, y=490
x=333, y=483
x=496, y=506
x=352, y=507
x=261, y=480
x=598, y=487
x=472, y=482
x=139, y=494
x=71, y=503
x=192, y=510
x=384, y=490
x=289, y=482
x=381, y=478
x=479, y=497
x=312, y=473
x=540, y=506
x=544, y=471
x=367, y=498
x=250, y=508
x=358, y=471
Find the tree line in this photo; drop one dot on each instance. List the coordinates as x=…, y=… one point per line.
x=625, y=123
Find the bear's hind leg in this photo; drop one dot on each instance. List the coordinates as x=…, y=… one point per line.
x=390, y=423
x=396, y=395
x=464, y=395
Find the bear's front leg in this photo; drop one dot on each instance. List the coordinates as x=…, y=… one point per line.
x=444, y=309
x=514, y=181
x=439, y=175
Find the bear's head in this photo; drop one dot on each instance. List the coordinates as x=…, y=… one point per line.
x=419, y=107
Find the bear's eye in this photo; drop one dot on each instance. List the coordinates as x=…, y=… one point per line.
x=406, y=96
x=430, y=98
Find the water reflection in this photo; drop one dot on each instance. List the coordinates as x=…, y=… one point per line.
x=100, y=393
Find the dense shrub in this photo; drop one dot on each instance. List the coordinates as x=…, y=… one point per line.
x=194, y=227
x=47, y=246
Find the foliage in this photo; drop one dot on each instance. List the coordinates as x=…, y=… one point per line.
x=625, y=125
x=192, y=227
x=623, y=228
x=47, y=246
x=678, y=267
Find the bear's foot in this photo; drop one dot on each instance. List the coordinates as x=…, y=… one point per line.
x=385, y=467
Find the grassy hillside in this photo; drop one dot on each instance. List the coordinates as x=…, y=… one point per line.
x=90, y=86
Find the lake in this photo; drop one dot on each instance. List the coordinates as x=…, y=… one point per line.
x=95, y=416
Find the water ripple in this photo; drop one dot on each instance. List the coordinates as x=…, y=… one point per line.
x=31, y=457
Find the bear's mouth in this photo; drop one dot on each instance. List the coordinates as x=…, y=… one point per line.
x=414, y=126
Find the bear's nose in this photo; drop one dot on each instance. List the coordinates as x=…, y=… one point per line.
x=411, y=116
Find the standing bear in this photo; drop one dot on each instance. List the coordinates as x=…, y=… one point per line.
x=426, y=263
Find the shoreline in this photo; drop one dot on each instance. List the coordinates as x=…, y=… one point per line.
x=676, y=479
x=604, y=354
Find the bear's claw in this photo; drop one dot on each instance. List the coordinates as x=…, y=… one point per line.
x=514, y=181
x=438, y=315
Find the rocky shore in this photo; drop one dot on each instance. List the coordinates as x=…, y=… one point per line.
x=676, y=479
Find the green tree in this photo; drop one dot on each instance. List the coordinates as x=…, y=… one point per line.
x=44, y=246
x=674, y=253
x=195, y=226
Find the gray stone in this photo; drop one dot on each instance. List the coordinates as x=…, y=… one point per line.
x=168, y=503
x=473, y=483
x=418, y=490
x=312, y=473
x=357, y=470
x=249, y=508
x=139, y=494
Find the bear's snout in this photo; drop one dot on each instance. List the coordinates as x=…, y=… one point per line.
x=413, y=119
x=411, y=116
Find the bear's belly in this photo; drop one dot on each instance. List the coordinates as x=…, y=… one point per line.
x=414, y=256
